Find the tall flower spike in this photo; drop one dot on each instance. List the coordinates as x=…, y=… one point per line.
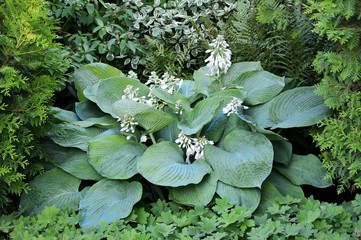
x=220, y=59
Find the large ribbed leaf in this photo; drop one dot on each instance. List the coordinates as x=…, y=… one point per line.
x=64, y=115
x=214, y=130
x=246, y=160
x=237, y=69
x=282, y=151
x=90, y=92
x=92, y=73
x=88, y=109
x=163, y=164
x=73, y=161
x=305, y=170
x=108, y=201
x=188, y=90
x=284, y=186
x=71, y=135
x=249, y=197
x=149, y=118
x=111, y=90
x=195, y=194
x=101, y=122
x=261, y=86
x=298, y=107
x=269, y=196
x=202, y=114
x=54, y=187
x=115, y=157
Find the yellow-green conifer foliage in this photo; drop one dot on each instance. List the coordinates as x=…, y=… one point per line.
x=340, y=138
x=31, y=70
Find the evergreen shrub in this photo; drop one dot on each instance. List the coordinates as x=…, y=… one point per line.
x=31, y=69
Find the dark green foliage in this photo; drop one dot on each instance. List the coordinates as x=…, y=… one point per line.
x=289, y=218
x=31, y=69
x=340, y=139
x=278, y=34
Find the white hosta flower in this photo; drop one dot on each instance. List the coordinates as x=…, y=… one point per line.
x=220, y=59
x=130, y=93
x=233, y=105
x=166, y=82
x=143, y=138
x=179, y=107
x=132, y=74
x=194, y=146
x=127, y=124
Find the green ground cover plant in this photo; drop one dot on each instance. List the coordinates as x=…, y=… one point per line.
x=32, y=68
x=287, y=218
x=185, y=140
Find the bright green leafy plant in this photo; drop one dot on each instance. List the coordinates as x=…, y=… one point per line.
x=287, y=218
x=197, y=138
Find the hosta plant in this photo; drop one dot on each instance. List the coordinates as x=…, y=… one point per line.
x=215, y=135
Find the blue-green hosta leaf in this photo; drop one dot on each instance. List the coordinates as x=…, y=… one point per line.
x=71, y=135
x=101, y=122
x=284, y=186
x=73, y=161
x=163, y=164
x=54, y=187
x=92, y=73
x=269, y=196
x=214, y=130
x=115, y=157
x=112, y=90
x=64, y=115
x=246, y=160
x=188, y=90
x=298, y=107
x=282, y=151
x=305, y=170
x=171, y=99
x=203, y=80
x=237, y=69
x=108, y=201
x=88, y=109
x=261, y=87
x=149, y=118
x=202, y=114
x=249, y=197
x=90, y=92
x=233, y=123
x=195, y=194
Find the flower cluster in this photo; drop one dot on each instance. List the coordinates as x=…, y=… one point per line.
x=166, y=82
x=220, y=59
x=194, y=146
x=127, y=124
x=233, y=105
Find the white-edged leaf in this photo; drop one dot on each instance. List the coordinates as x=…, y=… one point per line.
x=108, y=201
x=246, y=160
x=54, y=187
x=163, y=164
x=115, y=157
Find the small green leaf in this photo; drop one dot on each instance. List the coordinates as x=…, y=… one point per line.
x=163, y=164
